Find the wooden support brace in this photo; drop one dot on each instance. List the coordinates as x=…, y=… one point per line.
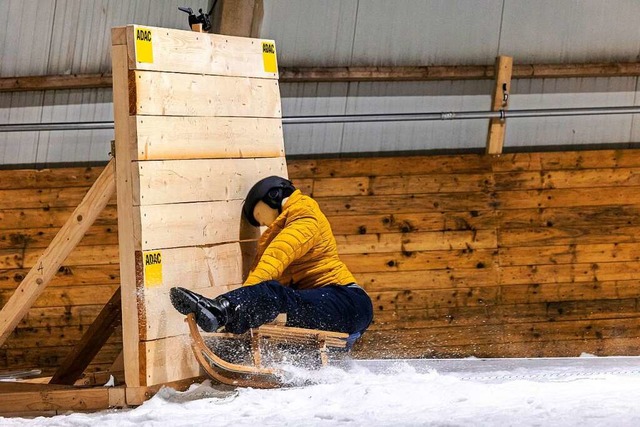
x=50, y=261
x=501, y=91
x=92, y=341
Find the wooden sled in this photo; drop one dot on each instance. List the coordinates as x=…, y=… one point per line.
x=256, y=375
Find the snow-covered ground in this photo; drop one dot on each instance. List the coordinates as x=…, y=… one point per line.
x=470, y=392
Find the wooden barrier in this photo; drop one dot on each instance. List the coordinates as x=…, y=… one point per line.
x=197, y=123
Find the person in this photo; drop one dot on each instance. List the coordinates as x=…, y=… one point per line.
x=297, y=271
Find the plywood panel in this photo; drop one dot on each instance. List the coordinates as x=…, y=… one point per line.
x=166, y=94
x=162, y=182
x=180, y=51
x=168, y=359
x=192, y=224
x=168, y=137
x=209, y=271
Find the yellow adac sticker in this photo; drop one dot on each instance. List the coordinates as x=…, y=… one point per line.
x=152, y=269
x=269, y=57
x=144, y=45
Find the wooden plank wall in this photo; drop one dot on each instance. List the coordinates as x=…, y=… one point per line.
x=196, y=125
x=35, y=204
x=522, y=255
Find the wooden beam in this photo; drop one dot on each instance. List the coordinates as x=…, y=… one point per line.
x=92, y=341
x=359, y=74
x=241, y=17
x=65, y=241
x=126, y=223
x=69, y=81
x=501, y=91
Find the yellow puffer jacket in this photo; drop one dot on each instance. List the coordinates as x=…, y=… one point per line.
x=299, y=249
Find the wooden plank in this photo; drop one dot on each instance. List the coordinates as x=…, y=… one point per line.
x=420, y=261
x=209, y=271
x=169, y=359
x=37, y=179
x=39, y=238
x=43, y=198
x=55, y=82
x=562, y=236
x=60, y=296
x=578, y=291
x=82, y=255
x=204, y=96
x=163, y=182
x=593, y=159
x=412, y=242
x=454, y=72
x=45, y=337
x=124, y=137
x=412, y=184
x=589, y=178
x=92, y=399
x=70, y=316
x=418, y=222
x=369, y=348
x=573, y=217
x=190, y=224
x=66, y=276
x=168, y=137
x=383, y=166
x=565, y=273
x=52, y=258
x=429, y=279
x=91, y=342
x=348, y=74
x=545, y=311
x=49, y=217
x=540, y=255
x=48, y=358
x=376, y=205
x=516, y=162
x=500, y=101
x=563, y=198
x=178, y=51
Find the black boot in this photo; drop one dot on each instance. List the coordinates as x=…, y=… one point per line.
x=210, y=314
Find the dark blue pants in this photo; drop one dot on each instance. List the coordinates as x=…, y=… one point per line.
x=331, y=308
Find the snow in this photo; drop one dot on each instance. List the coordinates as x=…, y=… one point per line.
x=582, y=391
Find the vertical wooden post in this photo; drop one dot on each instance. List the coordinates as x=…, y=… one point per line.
x=500, y=101
x=124, y=179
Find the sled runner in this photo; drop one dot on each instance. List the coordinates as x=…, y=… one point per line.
x=255, y=374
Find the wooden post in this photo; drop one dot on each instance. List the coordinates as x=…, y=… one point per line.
x=501, y=91
x=50, y=261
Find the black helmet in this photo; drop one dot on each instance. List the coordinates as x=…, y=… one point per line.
x=271, y=190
